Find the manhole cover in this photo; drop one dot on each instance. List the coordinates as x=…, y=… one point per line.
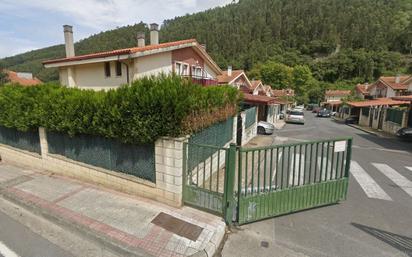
x=264, y=244
x=177, y=226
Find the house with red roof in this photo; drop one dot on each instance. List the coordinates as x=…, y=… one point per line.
x=110, y=69
x=236, y=78
x=391, y=86
x=362, y=90
x=22, y=78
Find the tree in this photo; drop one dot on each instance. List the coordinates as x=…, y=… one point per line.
x=277, y=75
x=4, y=78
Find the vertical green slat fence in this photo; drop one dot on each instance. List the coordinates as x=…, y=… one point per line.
x=28, y=140
x=282, y=179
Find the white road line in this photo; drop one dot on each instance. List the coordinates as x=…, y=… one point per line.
x=295, y=179
x=326, y=169
x=371, y=188
x=409, y=168
x=396, y=177
x=6, y=252
x=274, y=169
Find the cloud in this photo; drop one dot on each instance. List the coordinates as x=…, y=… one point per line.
x=37, y=23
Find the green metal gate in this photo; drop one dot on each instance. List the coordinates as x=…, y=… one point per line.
x=282, y=179
x=206, y=183
x=259, y=183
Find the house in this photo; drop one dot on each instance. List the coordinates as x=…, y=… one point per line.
x=391, y=86
x=22, y=78
x=236, y=78
x=256, y=87
x=110, y=69
x=336, y=95
x=362, y=90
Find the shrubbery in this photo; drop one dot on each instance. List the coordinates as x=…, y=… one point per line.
x=140, y=113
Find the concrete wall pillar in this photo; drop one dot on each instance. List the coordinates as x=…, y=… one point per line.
x=44, y=147
x=71, y=77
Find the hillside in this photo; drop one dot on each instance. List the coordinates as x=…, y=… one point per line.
x=372, y=37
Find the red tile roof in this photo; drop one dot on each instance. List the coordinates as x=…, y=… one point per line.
x=337, y=92
x=255, y=83
x=225, y=78
x=14, y=78
x=377, y=102
x=283, y=92
x=363, y=88
x=259, y=99
x=403, y=98
x=121, y=51
x=391, y=82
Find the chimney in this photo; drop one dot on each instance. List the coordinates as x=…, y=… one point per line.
x=229, y=71
x=154, y=34
x=68, y=40
x=140, y=39
x=397, y=79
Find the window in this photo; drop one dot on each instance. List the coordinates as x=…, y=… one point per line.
x=181, y=68
x=178, y=68
x=197, y=72
x=107, y=69
x=185, y=69
x=118, y=69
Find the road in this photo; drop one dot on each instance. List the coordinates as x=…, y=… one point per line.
x=375, y=220
x=16, y=240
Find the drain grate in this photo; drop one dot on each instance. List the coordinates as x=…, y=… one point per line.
x=178, y=226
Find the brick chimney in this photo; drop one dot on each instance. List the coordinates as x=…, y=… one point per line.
x=398, y=79
x=154, y=34
x=141, y=39
x=68, y=40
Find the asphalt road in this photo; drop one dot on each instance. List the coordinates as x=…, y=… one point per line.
x=375, y=220
x=16, y=240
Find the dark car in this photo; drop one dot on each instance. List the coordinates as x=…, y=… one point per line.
x=316, y=109
x=324, y=113
x=405, y=133
x=352, y=120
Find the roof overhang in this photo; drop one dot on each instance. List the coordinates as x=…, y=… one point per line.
x=377, y=102
x=259, y=99
x=238, y=76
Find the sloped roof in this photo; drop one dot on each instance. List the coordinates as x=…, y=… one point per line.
x=255, y=83
x=259, y=99
x=283, y=92
x=363, y=88
x=337, y=92
x=15, y=78
x=391, y=82
x=225, y=78
x=376, y=102
x=403, y=98
x=145, y=50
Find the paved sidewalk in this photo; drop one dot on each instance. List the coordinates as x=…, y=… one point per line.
x=372, y=131
x=114, y=218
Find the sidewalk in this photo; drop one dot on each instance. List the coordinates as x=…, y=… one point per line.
x=372, y=131
x=122, y=221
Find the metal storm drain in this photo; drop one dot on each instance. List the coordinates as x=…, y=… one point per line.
x=177, y=226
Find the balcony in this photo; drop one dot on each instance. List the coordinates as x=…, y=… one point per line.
x=204, y=81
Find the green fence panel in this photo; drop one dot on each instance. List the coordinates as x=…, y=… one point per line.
x=394, y=115
x=217, y=135
x=365, y=111
x=136, y=160
x=250, y=117
x=28, y=140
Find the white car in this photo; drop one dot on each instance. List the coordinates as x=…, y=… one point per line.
x=299, y=108
x=295, y=116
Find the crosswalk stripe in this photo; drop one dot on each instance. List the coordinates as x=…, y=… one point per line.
x=294, y=178
x=326, y=168
x=396, y=177
x=409, y=168
x=369, y=186
x=6, y=252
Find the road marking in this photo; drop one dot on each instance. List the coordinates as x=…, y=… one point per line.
x=294, y=178
x=277, y=162
x=409, y=168
x=6, y=252
x=369, y=186
x=396, y=177
x=326, y=169
x=381, y=149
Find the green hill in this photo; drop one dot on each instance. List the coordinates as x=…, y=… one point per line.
x=338, y=39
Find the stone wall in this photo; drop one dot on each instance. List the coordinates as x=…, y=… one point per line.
x=363, y=120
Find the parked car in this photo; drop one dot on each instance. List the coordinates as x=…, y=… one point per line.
x=299, y=108
x=295, y=116
x=405, y=133
x=352, y=120
x=265, y=128
x=325, y=113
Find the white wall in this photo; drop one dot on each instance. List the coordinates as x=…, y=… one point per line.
x=390, y=92
x=209, y=72
x=63, y=76
x=152, y=65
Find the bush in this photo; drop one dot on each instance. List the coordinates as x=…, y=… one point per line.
x=140, y=113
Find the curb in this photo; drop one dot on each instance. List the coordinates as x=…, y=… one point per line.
x=77, y=228
x=375, y=133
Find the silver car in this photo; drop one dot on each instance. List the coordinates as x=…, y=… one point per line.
x=265, y=128
x=295, y=116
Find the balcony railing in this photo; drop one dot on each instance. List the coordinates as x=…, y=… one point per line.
x=204, y=81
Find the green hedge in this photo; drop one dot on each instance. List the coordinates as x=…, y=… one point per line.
x=140, y=113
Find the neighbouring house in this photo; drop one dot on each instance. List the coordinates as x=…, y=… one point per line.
x=236, y=78
x=336, y=95
x=256, y=87
x=391, y=86
x=285, y=97
x=22, y=78
x=110, y=69
x=362, y=90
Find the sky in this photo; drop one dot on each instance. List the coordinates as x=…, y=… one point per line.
x=28, y=25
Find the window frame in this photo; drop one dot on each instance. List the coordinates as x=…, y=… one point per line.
x=118, y=69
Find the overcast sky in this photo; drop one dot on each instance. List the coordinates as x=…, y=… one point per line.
x=27, y=25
